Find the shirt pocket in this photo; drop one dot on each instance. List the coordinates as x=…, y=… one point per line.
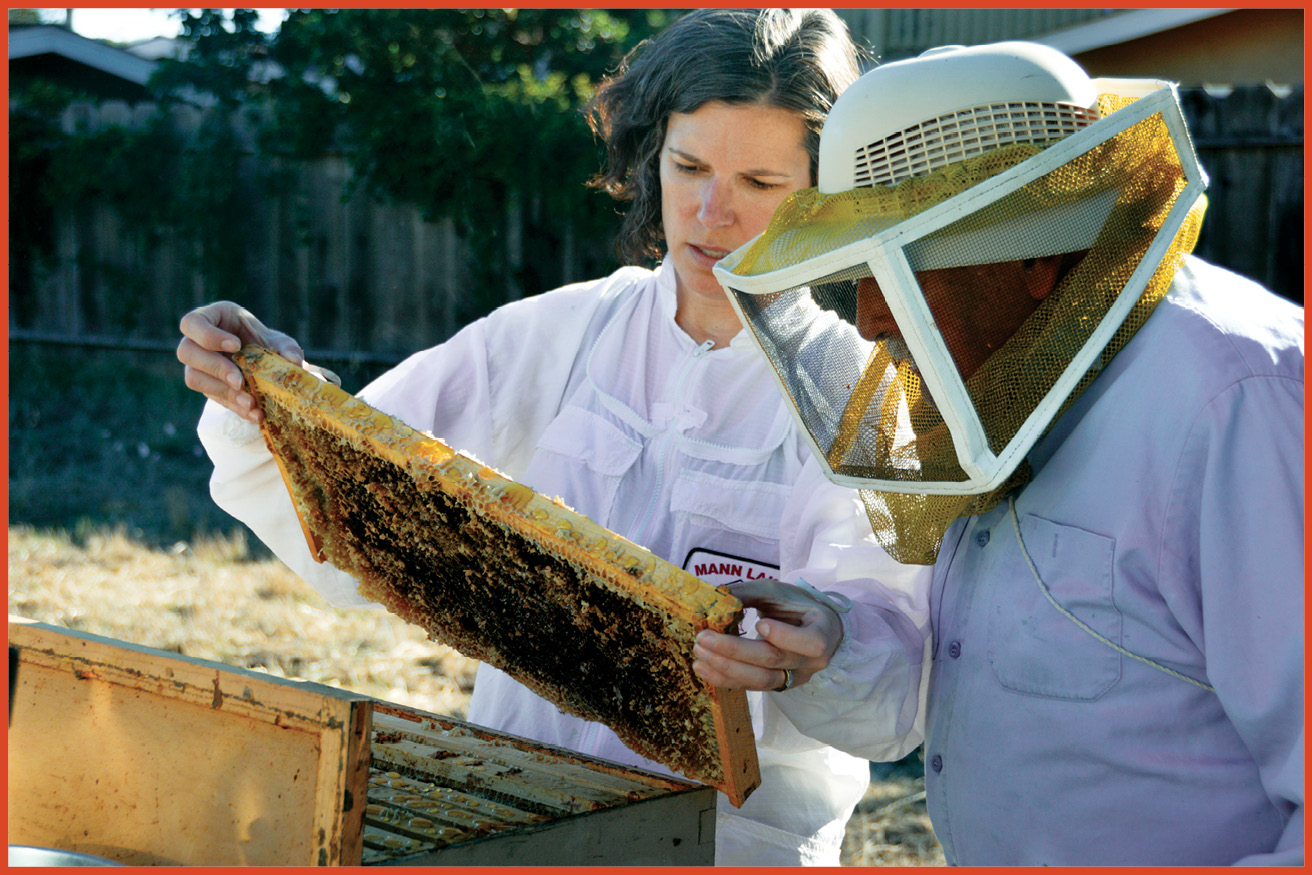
x=737, y=517
x=581, y=458
x=1036, y=649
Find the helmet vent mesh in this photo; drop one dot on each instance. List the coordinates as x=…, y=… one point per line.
x=947, y=139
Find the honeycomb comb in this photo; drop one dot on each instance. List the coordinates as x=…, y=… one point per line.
x=592, y=622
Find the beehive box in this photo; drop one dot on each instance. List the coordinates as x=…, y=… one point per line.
x=150, y=758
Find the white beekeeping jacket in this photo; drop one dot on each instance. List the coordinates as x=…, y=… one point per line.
x=594, y=394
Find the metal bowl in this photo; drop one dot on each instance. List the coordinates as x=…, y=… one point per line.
x=25, y=855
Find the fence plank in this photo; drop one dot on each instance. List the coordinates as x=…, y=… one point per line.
x=1250, y=142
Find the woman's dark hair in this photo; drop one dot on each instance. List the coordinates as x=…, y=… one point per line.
x=794, y=59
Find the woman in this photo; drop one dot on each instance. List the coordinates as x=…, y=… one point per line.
x=636, y=400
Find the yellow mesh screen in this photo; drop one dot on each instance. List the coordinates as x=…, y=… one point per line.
x=888, y=428
x=911, y=527
x=808, y=223
x=891, y=430
x=1021, y=371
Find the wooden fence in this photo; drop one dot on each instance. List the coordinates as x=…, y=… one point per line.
x=347, y=274
x=336, y=269
x=1250, y=143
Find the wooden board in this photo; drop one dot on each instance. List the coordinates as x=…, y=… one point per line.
x=592, y=622
x=150, y=758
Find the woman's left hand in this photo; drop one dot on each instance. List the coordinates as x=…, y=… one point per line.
x=798, y=633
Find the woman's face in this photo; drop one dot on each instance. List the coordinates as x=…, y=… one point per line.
x=724, y=169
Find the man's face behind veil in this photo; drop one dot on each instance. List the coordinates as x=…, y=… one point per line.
x=977, y=308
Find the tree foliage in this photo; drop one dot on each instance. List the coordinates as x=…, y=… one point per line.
x=458, y=112
x=220, y=57
x=25, y=17
x=473, y=115
x=34, y=137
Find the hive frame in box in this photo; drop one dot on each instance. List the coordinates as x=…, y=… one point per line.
x=411, y=519
x=496, y=799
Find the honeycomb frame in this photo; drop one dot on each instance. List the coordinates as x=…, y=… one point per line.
x=585, y=618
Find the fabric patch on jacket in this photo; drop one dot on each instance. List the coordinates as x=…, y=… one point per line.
x=718, y=568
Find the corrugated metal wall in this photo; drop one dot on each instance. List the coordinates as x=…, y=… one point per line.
x=900, y=33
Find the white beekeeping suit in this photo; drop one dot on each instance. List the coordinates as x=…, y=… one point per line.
x=594, y=394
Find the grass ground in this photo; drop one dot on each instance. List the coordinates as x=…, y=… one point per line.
x=111, y=531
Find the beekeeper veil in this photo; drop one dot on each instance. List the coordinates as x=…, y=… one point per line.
x=990, y=227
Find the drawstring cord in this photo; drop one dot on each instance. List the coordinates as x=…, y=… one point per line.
x=834, y=601
x=1011, y=502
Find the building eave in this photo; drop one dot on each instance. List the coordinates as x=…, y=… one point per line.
x=30, y=42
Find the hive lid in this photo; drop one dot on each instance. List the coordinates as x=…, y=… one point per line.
x=596, y=624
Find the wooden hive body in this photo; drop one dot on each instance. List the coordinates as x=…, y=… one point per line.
x=149, y=758
x=146, y=757
x=599, y=626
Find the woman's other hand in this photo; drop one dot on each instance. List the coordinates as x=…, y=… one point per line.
x=213, y=332
x=798, y=634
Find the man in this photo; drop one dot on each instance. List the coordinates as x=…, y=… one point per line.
x=988, y=320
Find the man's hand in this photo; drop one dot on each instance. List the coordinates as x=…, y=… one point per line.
x=798, y=633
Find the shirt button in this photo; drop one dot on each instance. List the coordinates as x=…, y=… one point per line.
x=982, y=537
x=936, y=763
x=954, y=649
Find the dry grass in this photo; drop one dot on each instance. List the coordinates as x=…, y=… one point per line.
x=207, y=600
x=210, y=599
x=891, y=826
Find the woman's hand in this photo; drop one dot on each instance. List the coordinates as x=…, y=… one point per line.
x=212, y=332
x=798, y=633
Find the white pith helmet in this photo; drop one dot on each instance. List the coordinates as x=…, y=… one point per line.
x=908, y=118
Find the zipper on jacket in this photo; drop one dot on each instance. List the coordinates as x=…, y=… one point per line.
x=662, y=456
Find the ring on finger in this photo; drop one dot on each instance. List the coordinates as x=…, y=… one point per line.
x=788, y=681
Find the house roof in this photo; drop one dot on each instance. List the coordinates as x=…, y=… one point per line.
x=32, y=42
x=1121, y=28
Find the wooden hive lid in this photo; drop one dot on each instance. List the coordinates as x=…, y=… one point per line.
x=596, y=624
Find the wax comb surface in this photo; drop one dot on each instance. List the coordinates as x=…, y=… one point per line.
x=592, y=622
